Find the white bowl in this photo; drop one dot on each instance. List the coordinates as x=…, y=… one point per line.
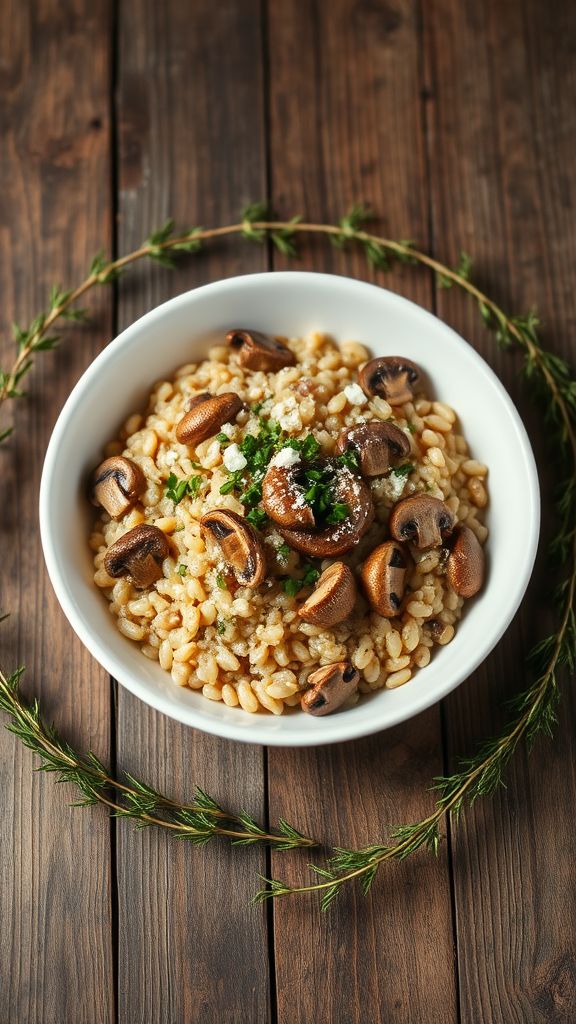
x=181, y=330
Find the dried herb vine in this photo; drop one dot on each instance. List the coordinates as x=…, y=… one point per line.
x=127, y=797
x=534, y=710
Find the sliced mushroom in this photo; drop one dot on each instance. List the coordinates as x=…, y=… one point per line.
x=240, y=544
x=331, y=686
x=384, y=577
x=465, y=564
x=205, y=416
x=197, y=400
x=376, y=442
x=257, y=351
x=422, y=519
x=283, y=499
x=392, y=377
x=339, y=537
x=138, y=555
x=333, y=598
x=116, y=485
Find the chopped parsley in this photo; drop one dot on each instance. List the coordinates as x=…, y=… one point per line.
x=292, y=586
x=257, y=517
x=317, y=481
x=220, y=627
x=221, y=582
x=403, y=470
x=182, y=569
x=222, y=438
x=177, y=489
x=411, y=427
x=349, y=459
x=283, y=551
x=318, y=486
x=258, y=449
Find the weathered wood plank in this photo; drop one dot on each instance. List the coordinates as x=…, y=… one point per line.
x=502, y=128
x=55, y=940
x=346, y=126
x=191, y=145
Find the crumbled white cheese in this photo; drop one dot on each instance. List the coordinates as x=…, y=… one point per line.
x=171, y=458
x=393, y=486
x=355, y=395
x=233, y=458
x=288, y=414
x=228, y=429
x=285, y=457
x=274, y=539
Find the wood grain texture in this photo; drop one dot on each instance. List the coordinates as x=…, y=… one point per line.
x=55, y=939
x=191, y=143
x=347, y=126
x=502, y=123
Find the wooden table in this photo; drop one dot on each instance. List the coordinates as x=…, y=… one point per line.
x=456, y=120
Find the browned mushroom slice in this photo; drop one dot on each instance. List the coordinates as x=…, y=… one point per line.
x=240, y=544
x=283, y=499
x=421, y=519
x=384, y=577
x=116, y=485
x=331, y=686
x=206, y=415
x=333, y=598
x=203, y=396
x=376, y=442
x=258, y=351
x=465, y=564
x=391, y=377
x=335, y=539
x=138, y=555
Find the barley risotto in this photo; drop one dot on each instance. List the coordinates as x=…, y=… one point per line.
x=290, y=524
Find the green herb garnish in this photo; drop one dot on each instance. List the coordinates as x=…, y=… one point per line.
x=318, y=486
x=283, y=551
x=221, y=582
x=220, y=627
x=403, y=470
x=177, y=489
x=257, y=517
x=349, y=459
x=182, y=569
x=292, y=586
x=222, y=438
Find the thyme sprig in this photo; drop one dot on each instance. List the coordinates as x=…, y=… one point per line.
x=127, y=797
x=534, y=710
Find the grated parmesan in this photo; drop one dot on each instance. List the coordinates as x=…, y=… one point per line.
x=285, y=457
x=233, y=458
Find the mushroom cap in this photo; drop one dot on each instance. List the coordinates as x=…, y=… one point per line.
x=337, y=538
x=206, y=415
x=421, y=519
x=392, y=377
x=333, y=598
x=283, y=500
x=376, y=442
x=138, y=555
x=465, y=565
x=240, y=543
x=330, y=687
x=258, y=351
x=116, y=485
x=384, y=577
